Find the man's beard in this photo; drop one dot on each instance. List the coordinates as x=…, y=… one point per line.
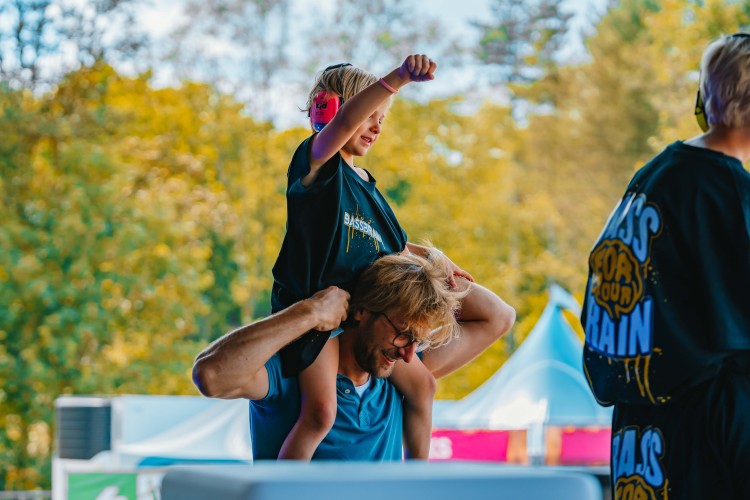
x=368, y=356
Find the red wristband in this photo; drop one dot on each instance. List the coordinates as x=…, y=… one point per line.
x=387, y=87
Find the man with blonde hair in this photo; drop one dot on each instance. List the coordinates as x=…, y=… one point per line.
x=667, y=307
x=401, y=303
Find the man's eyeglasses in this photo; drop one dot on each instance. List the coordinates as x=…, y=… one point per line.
x=402, y=339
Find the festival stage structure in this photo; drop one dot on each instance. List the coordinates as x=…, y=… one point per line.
x=536, y=409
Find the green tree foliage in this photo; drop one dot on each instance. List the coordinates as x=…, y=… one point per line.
x=130, y=238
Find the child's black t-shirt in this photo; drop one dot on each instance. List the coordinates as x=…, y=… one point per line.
x=335, y=228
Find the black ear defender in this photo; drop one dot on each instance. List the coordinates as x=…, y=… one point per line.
x=700, y=112
x=700, y=109
x=325, y=105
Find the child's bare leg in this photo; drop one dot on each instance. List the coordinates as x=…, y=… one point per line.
x=418, y=387
x=317, y=385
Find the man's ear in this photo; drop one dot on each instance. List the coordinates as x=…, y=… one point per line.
x=360, y=316
x=354, y=319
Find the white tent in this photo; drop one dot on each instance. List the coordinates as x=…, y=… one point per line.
x=146, y=434
x=162, y=430
x=542, y=382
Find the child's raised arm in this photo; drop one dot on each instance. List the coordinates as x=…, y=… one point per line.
x=415, y=68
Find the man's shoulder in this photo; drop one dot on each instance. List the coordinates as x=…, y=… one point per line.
x=272, y=417
x=279, y=386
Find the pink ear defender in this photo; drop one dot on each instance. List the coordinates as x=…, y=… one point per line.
x=325, y=105
x=324, y=108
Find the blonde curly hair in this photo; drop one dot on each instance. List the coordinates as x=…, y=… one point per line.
x=415, y=288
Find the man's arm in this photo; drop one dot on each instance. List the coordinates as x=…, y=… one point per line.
x=233, y=366
x=485, y=317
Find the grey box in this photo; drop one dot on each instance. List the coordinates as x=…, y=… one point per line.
x=377, y=481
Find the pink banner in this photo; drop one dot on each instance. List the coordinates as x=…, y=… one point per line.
x=585, y=446
x=469, y=445
x=564, y=445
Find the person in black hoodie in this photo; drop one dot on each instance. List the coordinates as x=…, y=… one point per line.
x=667, y=305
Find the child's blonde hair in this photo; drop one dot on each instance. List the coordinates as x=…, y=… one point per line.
x=417, y=289
x=343, y=81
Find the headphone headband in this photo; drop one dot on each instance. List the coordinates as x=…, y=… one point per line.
x=700, y=112
x=337, y=66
